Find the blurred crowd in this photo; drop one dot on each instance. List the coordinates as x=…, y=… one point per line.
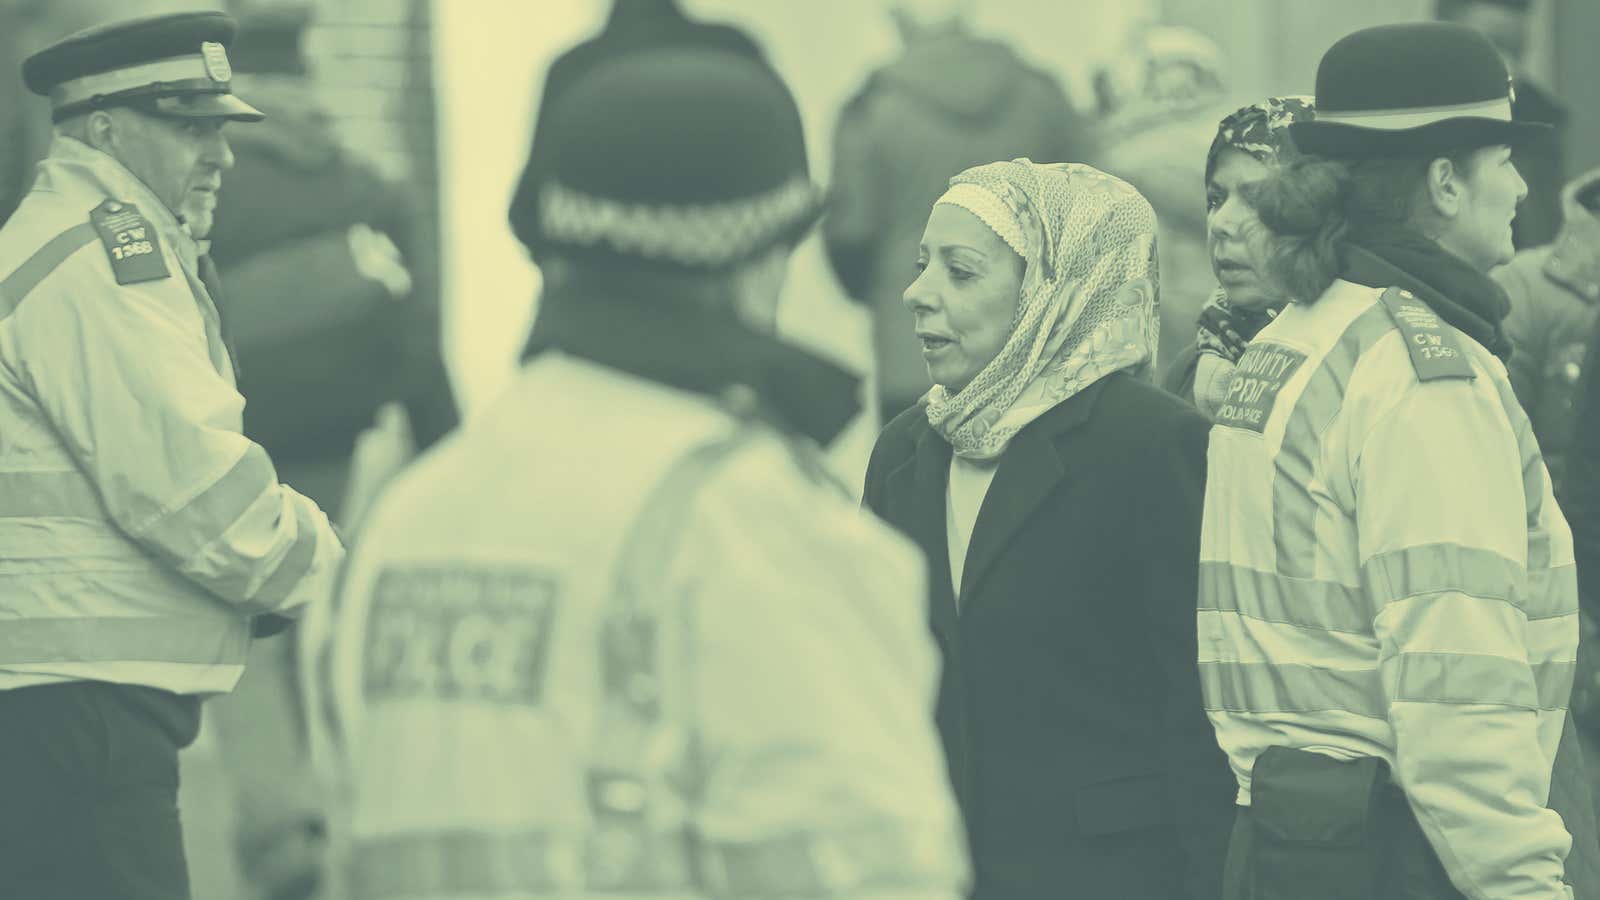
x=1037, y=499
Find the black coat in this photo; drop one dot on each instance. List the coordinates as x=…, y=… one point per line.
x=1070, y=703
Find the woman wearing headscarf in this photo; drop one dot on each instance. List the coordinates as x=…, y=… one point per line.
x=1057, y=495
x=1245, y=151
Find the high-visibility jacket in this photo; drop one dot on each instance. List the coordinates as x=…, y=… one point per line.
x=139, y=529
x=1385, y=573
x=612, y=639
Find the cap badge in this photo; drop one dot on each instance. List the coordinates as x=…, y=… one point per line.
x=216, y=60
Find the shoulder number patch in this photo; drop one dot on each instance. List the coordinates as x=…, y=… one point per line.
x=1260, y=374
x=1435, y=351
x=131, y=242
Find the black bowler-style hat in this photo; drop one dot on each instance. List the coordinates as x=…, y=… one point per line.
x=691, y=158
x=1412, y=89
x=172, y=65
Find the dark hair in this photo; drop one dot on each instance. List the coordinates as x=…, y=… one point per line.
x=1312, y=203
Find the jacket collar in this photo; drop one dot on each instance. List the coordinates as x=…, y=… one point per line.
x=1033, y=466
x=79, y=172
x=678, y=344
x=1469, y=300
x=1030, y=470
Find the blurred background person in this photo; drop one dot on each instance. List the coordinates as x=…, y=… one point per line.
x=1582, y=505
x=1577, y=436
x=1056, y=494
x=330, y=332
x=1246, y=149
x=1542, y=162
x=952, y=100
x=1159, y=100
x=661, y=652
x=1554, y=289
x=314, y=247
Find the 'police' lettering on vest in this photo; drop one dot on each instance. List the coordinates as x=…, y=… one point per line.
x=1260, y=374
x=475, y=633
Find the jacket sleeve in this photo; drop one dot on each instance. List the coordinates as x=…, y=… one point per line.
x=856, y=208
x=1474, y=655
x=124, y=376
x=1200, y=783
x=814, y=680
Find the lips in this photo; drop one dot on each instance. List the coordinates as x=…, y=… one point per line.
x=933, y=340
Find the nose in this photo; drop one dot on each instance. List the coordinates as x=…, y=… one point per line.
x=1224, y=220
x=1522, y=186
x=218, y=152
x=918, y=295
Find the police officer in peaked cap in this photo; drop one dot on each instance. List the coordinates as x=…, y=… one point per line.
x=143, y=539
x=170, y=68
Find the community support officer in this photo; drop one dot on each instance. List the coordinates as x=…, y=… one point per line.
x=142, y=537
x=1388, y=610
x=623, y=633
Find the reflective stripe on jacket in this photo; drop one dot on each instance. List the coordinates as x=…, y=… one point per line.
x=610, y=640
x=1385, y=572
x=139, y=529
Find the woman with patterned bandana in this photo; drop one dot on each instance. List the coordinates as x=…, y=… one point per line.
x=1246, y=149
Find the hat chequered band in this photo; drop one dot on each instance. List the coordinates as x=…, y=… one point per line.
x=708, y=235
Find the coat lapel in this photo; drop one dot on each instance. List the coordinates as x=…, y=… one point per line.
x=930, y=470
x=1031, y=469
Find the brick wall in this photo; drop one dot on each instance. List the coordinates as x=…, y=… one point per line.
x=372, y=61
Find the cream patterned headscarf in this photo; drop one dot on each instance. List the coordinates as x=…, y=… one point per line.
x=1088, y=304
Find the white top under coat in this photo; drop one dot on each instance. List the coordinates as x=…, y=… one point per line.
x=967, y=486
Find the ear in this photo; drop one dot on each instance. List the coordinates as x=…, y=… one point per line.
x=1443, y=186
x=101, y=130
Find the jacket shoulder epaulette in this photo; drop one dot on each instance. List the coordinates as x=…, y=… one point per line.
x=1436, y=352
x=132, y=246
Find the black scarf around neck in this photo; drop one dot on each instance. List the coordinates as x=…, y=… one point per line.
x=671, y=340
x=1469, y=300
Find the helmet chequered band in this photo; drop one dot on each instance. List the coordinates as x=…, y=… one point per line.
x=708, y=236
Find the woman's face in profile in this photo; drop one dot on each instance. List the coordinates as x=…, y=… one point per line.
x=965, y=296
x=1237, y=241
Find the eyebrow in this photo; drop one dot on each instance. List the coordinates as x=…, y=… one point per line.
x=945, y=248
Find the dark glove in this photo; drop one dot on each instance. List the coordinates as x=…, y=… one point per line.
x=269, y=624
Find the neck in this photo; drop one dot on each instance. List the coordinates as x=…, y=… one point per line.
x=1455, y=249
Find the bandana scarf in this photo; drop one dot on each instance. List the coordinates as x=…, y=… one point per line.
x=1087, y=306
